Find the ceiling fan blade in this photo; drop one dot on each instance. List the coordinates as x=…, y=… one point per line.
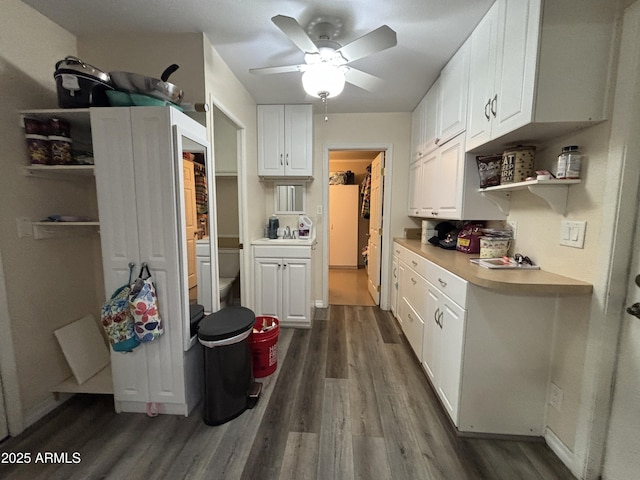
x=292, y=29
x=375, y=41
x=272, y=70
x=362, y=79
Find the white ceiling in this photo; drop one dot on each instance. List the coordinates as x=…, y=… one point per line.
x=428, y=32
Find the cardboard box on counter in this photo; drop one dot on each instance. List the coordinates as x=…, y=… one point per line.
x=412, y=233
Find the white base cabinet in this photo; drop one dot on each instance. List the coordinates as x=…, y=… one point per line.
x=138, y=182
x=283, y=283
x=486, y=353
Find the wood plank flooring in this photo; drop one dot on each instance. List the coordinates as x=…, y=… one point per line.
x=348, y=401
x=349, y=287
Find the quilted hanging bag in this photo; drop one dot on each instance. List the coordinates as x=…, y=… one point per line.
x=143, y=302
x=117, y=320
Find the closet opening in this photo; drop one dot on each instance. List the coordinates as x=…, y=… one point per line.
x=353, y=277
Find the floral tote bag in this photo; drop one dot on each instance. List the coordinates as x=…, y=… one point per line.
x=143, y=303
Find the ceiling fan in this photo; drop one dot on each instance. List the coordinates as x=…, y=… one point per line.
x=326, y=66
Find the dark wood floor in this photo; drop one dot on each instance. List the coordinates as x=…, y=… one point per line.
x=348, y=401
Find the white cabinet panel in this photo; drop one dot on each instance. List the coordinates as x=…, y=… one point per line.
x=138, y=175
x=285, y=140
x=452, y=104
x=415, y=189
x=412, y=326
x=283, y=285
x=268, y=286
x=450, y=345
x=296, y=291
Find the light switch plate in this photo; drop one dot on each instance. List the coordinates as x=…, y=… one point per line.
x=572, y=233
x=25, y=228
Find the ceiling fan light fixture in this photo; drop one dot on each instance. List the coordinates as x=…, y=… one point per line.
x=323, y=79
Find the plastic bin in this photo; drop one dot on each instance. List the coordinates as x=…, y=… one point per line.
x=228, y=381
x=264, y=346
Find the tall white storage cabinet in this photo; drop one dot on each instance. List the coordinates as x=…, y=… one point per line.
x=138, y=157
x=343, y=219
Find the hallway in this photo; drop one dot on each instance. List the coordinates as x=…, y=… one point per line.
x=349, y=287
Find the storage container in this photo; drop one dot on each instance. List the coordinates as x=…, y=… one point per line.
x=60, y=150
x=517, y=164
x=38, y=149
x=494, y=247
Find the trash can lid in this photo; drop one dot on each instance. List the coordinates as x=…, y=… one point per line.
x=226, y=323
x=196, y=312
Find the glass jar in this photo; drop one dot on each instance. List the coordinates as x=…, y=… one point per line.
x=569, y=162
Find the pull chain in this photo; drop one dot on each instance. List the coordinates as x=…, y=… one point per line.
x=323, y=96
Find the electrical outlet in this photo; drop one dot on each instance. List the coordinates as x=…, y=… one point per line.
x=319, y=209
x=514, y=227
x=555, y=396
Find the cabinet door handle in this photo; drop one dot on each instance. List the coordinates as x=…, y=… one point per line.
x=284, y=265
x=397, y=252
x=435, y=315
x=434, y=213
x=486, y=113
x=494, y=104
x=413, y=280
x=279, y=265
x=414, y=263
x=440, y=319
x=288, y=157
x=437, y=141
x=409, y=317
x=281, y=162
x=442, y=282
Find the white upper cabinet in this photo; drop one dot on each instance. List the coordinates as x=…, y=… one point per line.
x=424, y=124
x=452, y=97
x=536, y=74
x=285, y=140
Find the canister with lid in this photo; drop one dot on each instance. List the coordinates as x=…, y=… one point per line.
x=517, y=164
x=569, y=162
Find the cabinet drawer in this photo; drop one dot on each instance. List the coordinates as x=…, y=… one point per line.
x=412, y=326
x=448, y=283
x=282, y=251
x=413, y=260
x=414, y=289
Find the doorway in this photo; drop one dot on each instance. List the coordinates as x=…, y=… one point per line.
x=349, y=224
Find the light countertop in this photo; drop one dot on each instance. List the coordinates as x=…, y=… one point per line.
x=513, y=281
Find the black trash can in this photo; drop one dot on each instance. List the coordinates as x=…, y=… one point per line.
x=228, y=378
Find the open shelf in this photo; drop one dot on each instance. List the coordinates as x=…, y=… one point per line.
x=43, y=230
x=101, y=383
x=554, y=192
x=60, y=170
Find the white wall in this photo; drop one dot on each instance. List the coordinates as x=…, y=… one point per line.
x=49, y=283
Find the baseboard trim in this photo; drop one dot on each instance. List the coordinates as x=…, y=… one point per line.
x=45, y=407
x=561, y=450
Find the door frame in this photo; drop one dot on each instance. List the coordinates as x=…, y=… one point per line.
x=9, y=386
x=246, y=272
x=619, y=214
x=386, y=207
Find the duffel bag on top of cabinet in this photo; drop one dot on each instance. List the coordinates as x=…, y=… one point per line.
x=144, y=307
x=117, y=320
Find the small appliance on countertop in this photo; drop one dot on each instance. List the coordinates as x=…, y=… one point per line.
x=304, y=226
x=272, y=228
